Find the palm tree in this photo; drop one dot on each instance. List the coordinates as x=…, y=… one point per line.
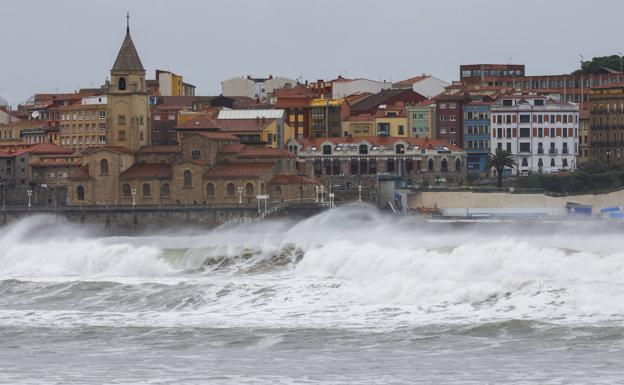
x=499, y=160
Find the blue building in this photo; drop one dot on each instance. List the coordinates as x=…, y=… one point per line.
x=477, y=136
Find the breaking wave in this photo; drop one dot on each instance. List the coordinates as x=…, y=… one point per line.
x=351, y=267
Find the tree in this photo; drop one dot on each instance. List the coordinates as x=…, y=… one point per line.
x=613, y=62
x=499, y=160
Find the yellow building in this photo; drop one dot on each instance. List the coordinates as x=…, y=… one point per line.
x=359, y=125
x=83, y=125
x=170, y=84
x=391, y=121
x=325, y=118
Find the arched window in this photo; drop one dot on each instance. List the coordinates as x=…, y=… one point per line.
x=104, y=167
x=122, y=84
x=195, y=153
x=400, y=149
x=457, y=165
x=188, y=179
x=126, y=190
x=210, y=189
x=444, y=165
x=430, y=165
x=363, y=149
x=230, y=190
x=166, y=190
x=147, y=191
x=249, y=189
x=278, y=191
x=80, y=193
x=552, y=162
x=327, y=149
x=564, y=162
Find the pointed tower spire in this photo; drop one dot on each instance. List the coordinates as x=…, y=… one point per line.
x=128, y=58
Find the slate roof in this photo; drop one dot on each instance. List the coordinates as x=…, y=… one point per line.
x=128, y=59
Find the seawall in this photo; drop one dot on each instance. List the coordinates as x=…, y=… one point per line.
x=144, y=218
x=468, y=199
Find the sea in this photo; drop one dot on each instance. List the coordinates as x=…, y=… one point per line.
x=350, y=296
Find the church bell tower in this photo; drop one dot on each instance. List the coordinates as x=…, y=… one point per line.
x=128, y=113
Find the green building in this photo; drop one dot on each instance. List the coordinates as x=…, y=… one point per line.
x=421, y=120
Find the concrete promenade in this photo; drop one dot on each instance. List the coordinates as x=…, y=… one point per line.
x=468, y=199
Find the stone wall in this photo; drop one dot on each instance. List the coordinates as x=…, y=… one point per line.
x=146, y=218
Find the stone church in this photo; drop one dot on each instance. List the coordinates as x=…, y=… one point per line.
x=210, y=168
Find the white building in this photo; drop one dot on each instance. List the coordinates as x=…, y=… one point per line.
x=93, y=100
x=255, y=88
x=540, y=133
x=426, y=85
x=344, y=87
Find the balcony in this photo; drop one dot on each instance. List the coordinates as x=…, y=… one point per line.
x=553, y=151
x=565, y=151
x=540, y=150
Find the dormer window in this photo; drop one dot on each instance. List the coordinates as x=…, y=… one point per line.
x=327, y=149
x=363, y=149
x=122, y=84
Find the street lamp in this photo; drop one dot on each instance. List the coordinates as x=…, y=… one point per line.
x=240, y=195
x=300, y=175
x=2, y=193
x=133, y=192
x=608, y=158
x=316, y=194
x=29, y=193
x=322, y=194
x=359, y=193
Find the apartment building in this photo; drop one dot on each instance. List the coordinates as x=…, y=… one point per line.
x=540, y=133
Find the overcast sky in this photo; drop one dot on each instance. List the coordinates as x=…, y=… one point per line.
x=69, y=44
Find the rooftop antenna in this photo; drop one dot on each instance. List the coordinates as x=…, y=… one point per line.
x=128, y=22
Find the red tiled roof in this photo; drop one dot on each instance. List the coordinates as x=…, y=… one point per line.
x=297, y=91
x=261, y=152
x=148, y=170
x=118, y=149
x=82, y=173
x=41, y=148
x=9, y=151
x=239, y=170
x=201, y=122
x=160, y=149
x=360, y=118
x=356, y=98
x=245, y=125
x=400, y=112
x=28, y=123
x=409, y=82
x=232, y=148
x=49, y=148
x=292, y=179
x=215, y=135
